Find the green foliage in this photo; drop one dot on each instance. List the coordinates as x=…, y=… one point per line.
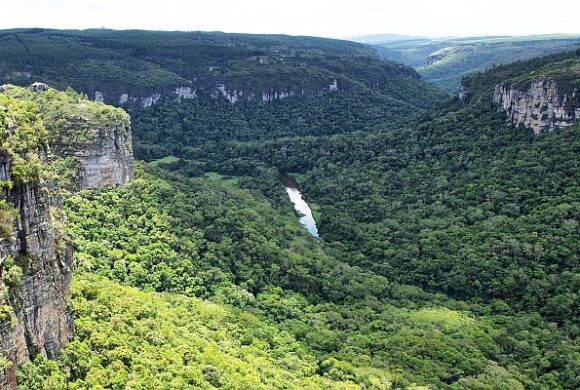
x=448, y=259
x=68, y=121
x=127, y=338
x=7, y=215
x=24, y=137
x=182, y=235
x=71, y=120
x=455, y=202
x=563, y=67
x=10, y=277
x=445, y=62
x=170, y=129
x=141, y=63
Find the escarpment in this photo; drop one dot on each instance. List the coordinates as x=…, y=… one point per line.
x=36, y=261
x=36, y=257
x=104, y=154
x=95, y=136
x=217, y=91
x=542, y=107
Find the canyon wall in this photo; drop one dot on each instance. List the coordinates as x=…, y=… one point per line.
x=36, y=257
x=542, y=106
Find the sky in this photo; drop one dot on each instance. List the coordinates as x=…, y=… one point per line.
x=326, y=18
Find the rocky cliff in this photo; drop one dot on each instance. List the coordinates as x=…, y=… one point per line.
x=35, y=254
x=36, y=316
x=542, y=106
x=233, y=95
x=96, y=136
x=105, y=155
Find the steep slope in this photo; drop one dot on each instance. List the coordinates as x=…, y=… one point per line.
x=144, y=66
x=169, y=341
x=35, y=252
x=543, y=94
x=448, y=259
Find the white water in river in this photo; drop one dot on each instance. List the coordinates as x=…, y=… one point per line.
x=307, y=220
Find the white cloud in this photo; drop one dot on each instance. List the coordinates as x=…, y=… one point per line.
x=337, y=18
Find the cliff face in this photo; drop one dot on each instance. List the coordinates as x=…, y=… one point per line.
x=542, y=107
x=35, y=255
x=105, y=156
x=96, y=136
x=109, y=159
x=233, y=95
x=40, y=321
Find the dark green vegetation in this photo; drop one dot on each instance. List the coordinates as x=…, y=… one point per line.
x=338, y=325
x=445, y=62
x=449, y=252
x=206, y=124
x=564, y=68
x=141, y=63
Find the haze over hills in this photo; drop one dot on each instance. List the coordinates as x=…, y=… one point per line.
x=449, y=248
x=446, y=60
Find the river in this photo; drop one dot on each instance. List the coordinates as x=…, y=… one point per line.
x=306, y=219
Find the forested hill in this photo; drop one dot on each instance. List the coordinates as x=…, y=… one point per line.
x=144, y=66
x=458, y=203
x=446, y=61
x=449, y=242
x=564, y=68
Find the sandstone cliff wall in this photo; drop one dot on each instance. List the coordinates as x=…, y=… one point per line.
x=36, y=257
x=41, y=321
x=542, y=106
x=233, y=95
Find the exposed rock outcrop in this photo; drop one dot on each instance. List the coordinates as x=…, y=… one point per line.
x=463, y=93
x=108, y=160
x=542, y=107
x=98, y=138
x=145, y=100
x=99, y=97
x=272, y=95
x=233, y=95
x=38, y=87
x=35, y=253
x=41, y=321
x=183, y=92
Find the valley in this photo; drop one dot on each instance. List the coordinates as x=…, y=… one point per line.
x=445, y=61
x=268, y=211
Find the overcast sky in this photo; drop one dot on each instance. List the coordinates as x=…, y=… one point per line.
x=328, y=18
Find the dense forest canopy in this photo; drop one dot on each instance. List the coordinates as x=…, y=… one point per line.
x=445, y=61
x=145, y=63
x=449, y=243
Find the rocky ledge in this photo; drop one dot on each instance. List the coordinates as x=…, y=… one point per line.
x=542, y=107
x=36, y=256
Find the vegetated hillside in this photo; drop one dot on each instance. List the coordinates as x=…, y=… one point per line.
x=286, y=311
x=445, y=62
x=564, y=68
x=167, y=129
x=143, y=66
x=448, y=259
x=457, y=202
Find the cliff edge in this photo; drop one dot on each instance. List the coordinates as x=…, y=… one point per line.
x=542, y=106
x=94, y=142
